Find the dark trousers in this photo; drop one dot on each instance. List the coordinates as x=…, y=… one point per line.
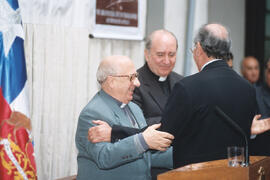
x=156, y=171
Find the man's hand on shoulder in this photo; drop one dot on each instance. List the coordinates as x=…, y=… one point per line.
x=99, y=133
x=157, y=140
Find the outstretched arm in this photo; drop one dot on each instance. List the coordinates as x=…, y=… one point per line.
x=155, y=139
x=259, y=126
x=103, y=132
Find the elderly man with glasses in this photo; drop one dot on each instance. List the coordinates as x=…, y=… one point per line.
x=157, y=81
x=130, y=157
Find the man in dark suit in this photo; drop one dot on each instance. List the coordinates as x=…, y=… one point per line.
x=201, y=134
x=261, y=144
x=156, y=76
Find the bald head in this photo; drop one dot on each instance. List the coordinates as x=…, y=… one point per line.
x=112, y=65
x=157, y=34
x=217, y=30
x=118, y=78
x=214, y=40
x=250, y=69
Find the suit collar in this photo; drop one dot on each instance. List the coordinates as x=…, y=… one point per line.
x=104, y=94
x=149, y=72
x=151, y=78
x=215, y=64
x=150, y=81
x=209, y=62
x=119, y=114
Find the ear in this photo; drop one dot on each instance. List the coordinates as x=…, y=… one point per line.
x=110, y=82
x=199, y=49
x=146, y=54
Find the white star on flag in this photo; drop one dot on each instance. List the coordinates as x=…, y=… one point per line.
x=10, y=25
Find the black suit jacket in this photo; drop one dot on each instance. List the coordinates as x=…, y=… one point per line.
x=150, y=97
x=200, y=133
x=261, y=144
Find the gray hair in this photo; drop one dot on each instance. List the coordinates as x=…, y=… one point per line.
x=213, y=45
x=149, y=38
x=105, y=70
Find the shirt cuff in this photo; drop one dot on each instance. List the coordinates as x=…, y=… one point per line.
x=140, y=143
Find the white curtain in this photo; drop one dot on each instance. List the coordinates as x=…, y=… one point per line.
x=57, y=60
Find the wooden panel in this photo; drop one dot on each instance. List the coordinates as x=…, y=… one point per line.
x=265, y=164
x=219, y=170
x=221, y=173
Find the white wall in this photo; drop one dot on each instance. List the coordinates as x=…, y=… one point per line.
x=176, y=20
x=154, y=15
x=231, y=13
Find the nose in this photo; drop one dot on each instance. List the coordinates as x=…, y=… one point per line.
x=166, y=60
x=136, y=82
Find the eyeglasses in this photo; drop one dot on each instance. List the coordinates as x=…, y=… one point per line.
x=131, y=77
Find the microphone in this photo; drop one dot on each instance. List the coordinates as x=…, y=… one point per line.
x=238, y=128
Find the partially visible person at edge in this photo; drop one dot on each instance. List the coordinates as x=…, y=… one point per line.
x=129, y=158
x=261, y=144
x=250, y=69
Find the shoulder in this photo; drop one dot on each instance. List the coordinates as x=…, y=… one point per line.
x=261, y=90
x=176, y=75
x=191, y=79
x=143, y=71
x=96, y=107
x=94, y=102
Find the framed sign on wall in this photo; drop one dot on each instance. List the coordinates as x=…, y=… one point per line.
x=118, y=19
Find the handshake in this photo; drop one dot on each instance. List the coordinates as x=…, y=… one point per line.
x=155, y=139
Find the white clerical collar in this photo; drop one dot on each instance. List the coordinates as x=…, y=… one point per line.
x=162, y=78
x=209, y=62
x=123, y=105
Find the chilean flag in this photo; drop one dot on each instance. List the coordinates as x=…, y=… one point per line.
x=16, y=148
